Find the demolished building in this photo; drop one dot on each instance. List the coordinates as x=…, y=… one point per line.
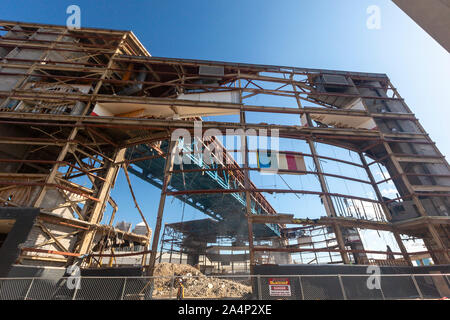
x=83, y=104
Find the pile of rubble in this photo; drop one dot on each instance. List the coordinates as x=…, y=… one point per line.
x=195, y=283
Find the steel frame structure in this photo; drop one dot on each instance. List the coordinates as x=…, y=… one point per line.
x=53, y=77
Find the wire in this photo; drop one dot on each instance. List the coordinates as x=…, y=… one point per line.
x=184, y=205
x=289, y=186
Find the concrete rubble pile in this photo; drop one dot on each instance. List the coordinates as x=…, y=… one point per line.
x=196, y=284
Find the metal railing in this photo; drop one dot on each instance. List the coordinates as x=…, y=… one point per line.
x=258, y=287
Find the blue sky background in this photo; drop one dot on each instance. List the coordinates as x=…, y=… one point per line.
x=324, y=34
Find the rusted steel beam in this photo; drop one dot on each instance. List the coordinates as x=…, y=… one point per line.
x=61, y=253
x=218, y=191
x=166, y=180
x=279, y=171
x=141, y=159
x=159, y=124
x=120, y=254
x=51, y=162
x=50, y=62
x=255, y=67
x=194, y=86
x=293, y=250
x=303, y=154
x=42, y=184
x=18, y=42
x=98, y=32
x=36, y=47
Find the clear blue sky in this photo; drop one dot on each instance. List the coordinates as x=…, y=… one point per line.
x=325, y=34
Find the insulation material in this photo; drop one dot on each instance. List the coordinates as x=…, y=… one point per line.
x=356, y=105
x=345, y=121
x=136, y=110
x=341, y=121
x=304, y=120
x=223, y=96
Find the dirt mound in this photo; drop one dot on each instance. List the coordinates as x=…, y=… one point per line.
x=195, y=283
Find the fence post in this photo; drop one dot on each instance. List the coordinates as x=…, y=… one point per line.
x=259, y=287
x=123, y=289
x=76, y=290
x=29, y=289
x=172, y=280
x=301, y=288
x=342, y=287
x=381, y=288
x=417, y=286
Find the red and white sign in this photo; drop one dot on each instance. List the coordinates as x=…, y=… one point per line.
x=279, y=287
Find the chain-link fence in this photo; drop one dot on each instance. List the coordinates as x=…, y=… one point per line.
x=354, y=287
x=259, y=287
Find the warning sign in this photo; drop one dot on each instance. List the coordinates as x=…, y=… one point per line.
x=279, y=287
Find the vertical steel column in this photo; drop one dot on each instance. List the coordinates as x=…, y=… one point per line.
x=244, y=151
x=29, y=289
x=301, y=288
x=172, y=284
x=417, y=286
x=162, y=242
x=171, y=246
x=123, y=288
x=375, y=186
x=342, y=287
x=341, y=243
x=329, y=206
x=402, y=248
x=259, y=287
x=437, y=239
x=167, y=176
